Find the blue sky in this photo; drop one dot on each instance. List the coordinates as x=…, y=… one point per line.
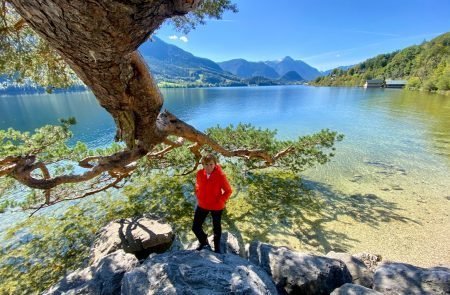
x=323, y=33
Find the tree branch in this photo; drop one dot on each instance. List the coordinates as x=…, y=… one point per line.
x=172, y=125
x=80, y=196
x=171, y=145
x=119, y=163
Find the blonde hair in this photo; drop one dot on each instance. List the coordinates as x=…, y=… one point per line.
x=209, y=158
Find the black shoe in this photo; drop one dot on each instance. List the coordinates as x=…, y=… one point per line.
x=217, y=251
x=203, y=246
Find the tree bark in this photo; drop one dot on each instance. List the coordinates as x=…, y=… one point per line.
x=99, y=39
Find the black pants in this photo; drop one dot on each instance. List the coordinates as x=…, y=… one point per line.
x=199, y=218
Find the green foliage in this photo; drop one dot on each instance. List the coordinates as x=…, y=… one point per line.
x=48, y=144
x=426, y=66
x=25, y=56
x=307, y=150
x=207, y=9
x=414, y=83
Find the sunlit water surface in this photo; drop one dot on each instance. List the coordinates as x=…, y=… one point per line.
x=388, y=187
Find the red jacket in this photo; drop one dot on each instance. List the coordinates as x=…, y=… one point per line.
x=212, y=193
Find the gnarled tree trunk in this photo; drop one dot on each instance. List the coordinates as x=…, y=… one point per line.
x=98, y=39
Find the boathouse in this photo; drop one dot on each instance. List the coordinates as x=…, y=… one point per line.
x=395, y=83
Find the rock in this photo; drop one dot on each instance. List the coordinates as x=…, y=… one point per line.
x=370, y=260
x=102, y=278
x=197, y=272
x=397, y=188
x=299, y=273
x=400, y=278
x=352, y=289
x=228, y=244
x=361, y=275
x=140, y=236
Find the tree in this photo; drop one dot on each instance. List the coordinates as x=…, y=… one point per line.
x=98, y=40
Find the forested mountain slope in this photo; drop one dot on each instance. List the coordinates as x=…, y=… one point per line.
x=425, y=66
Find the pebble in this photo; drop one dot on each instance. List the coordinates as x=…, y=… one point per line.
x=397, y=188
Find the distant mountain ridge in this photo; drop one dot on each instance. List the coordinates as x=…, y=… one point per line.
x=174, y=67
x=246, y=69
x=270, y=69
x=288, y=64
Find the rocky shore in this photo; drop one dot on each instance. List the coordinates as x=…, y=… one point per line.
x=139, y=256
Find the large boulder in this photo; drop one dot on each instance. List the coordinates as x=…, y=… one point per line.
x=352, y=289
x=298, y=273
x=400, y=278
x=361, y=274
x=140, y=236
x=197, y=272
x=104, y=277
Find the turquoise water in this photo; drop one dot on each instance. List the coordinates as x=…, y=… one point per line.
x=385, y=122
x=396, y=147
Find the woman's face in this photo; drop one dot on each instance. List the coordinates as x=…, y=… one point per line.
x=209, y=167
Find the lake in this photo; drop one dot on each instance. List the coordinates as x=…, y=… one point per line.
x=387, y=188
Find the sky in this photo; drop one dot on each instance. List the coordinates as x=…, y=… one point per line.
x=323, y=33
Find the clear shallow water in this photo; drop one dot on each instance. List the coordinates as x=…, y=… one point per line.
x=396, y=151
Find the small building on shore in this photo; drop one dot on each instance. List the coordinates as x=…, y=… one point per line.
x=395, y=83
x=376, y=83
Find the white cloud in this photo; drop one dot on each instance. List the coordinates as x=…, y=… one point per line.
x=181, y=38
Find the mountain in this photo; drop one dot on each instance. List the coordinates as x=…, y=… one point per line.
x=288, y=64
x=172, y=66
x=291, y=77
x=247, y=69
x=425, y=66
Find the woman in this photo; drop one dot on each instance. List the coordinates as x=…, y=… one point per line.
x=212, y=190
